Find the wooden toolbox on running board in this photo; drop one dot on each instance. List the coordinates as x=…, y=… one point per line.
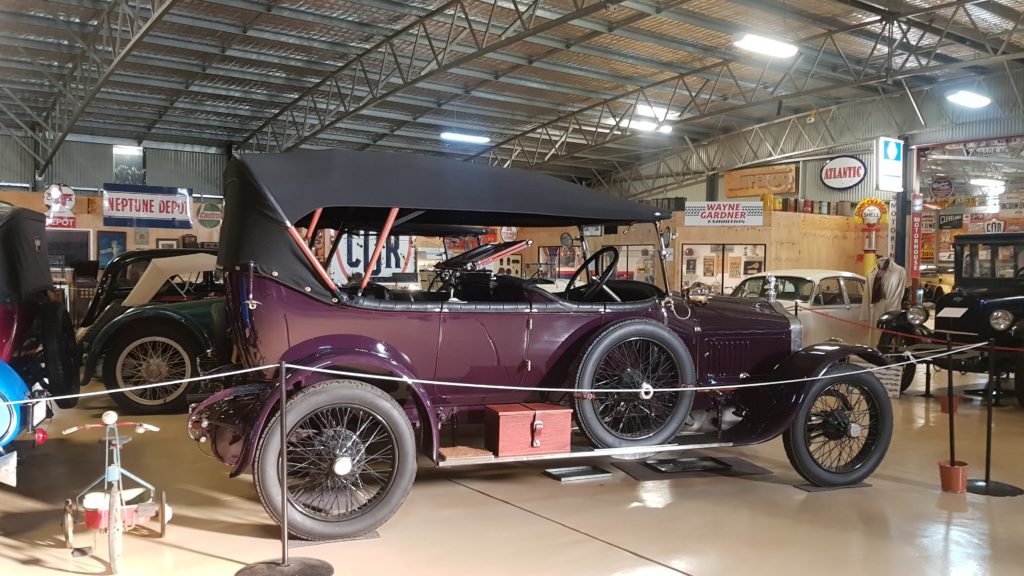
x=524, y=429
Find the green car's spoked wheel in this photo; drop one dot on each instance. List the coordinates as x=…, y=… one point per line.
x=842, y=431
x=158, y=354
x=340, y=460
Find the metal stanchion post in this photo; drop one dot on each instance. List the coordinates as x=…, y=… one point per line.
x=951, y=408
x=987, y=487
x=286, y=566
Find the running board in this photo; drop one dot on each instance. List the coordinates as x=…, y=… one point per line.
x=580, y=452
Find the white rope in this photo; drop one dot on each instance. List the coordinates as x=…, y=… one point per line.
x=478, y=386
x=140, y=387
x=607, y=390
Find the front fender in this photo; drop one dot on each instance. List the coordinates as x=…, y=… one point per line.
x=98, y=347
x=771, y=409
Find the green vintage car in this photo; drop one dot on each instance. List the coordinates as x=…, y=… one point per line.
x=135, y=342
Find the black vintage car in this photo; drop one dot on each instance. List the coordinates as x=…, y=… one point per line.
x=987, y=302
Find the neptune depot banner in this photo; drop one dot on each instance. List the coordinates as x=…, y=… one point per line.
x=133, y=205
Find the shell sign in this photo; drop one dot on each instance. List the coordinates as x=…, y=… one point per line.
x=843, y=172
x=871, y=211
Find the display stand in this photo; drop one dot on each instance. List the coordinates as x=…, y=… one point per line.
x=286, y=566
x=988, y=487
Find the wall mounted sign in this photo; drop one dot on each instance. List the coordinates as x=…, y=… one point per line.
x=508, y=233
x=871, y=211
x=951, y=221
x=889, y=164
x=941, y=188
x=760, y=180
x=209, y=215
x=147, y=206
x=843, y=172
x=740, y=213
x=916, y=232
x=60, y=198
x=355, y=251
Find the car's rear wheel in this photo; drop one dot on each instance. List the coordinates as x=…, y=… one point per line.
x=643, y=357
x=148, y=356
x=351, y=460
x=842, y=430
x=60, y=353
x=896, y=344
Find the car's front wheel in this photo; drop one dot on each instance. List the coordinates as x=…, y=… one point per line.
x=842, y=430
x=642, y=357
x=351, y=460
x=895, y=344
x=148, y=356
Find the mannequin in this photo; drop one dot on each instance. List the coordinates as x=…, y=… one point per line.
x=886, y=284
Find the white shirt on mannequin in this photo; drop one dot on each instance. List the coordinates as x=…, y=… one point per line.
x=893, y=283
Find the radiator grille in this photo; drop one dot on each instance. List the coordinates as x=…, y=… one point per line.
x=727, y=356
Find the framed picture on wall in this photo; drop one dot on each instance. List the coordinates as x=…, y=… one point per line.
x=75, y=245
x=165, y=243
x=110, y=244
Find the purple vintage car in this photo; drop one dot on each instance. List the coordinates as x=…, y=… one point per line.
x=353, y=441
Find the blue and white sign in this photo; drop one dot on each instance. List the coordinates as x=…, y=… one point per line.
x=147, y=206
x=889, y=163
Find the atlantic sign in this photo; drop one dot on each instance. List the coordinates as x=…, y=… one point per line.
x=843, y=172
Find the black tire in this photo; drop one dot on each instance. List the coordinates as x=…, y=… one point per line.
x=134, y=358
x=60, y=353
x=832, y=405
x=895, y=344
x=319, y=425
x=615, y=359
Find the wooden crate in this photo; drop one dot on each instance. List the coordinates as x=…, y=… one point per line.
x=523, y=429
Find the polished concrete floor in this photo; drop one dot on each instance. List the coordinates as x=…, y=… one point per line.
x=510, y=519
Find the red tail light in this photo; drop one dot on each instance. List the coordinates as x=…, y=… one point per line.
x=41, y=436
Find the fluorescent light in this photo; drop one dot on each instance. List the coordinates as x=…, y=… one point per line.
x=642, y=125
x=767, y=46
x=990, y=186
x=128, y=150
x=968, y=99
x=468, y=138
x=657, y=112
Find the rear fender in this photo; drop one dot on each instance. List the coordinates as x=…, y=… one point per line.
x=99, y=345
x=771, y=409
x=360, y=359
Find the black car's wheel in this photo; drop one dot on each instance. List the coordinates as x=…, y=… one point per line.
x=639, y=355
x=1018, y=379
x=148, y=355
x=895, y=344
x=351, y=460
x=60, y=353
x=842, y=430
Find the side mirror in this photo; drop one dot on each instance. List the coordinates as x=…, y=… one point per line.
x=566, y=240
x=666, y=237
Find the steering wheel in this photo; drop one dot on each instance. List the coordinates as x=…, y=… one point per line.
x=602, y=279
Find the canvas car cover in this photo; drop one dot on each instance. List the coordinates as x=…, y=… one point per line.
x=263, y=192
x=24, y=263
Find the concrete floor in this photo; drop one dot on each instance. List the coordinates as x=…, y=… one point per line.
x=513, y=520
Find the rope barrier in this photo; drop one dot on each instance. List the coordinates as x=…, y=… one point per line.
x=347, y=373
x=905, y=335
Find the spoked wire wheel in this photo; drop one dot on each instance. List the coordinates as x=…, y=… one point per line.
x=138, y=359
x=896, y=344
x=341, y=459
x=638, y=359
x=842, y=430
x=351, y=460
x=638, y=364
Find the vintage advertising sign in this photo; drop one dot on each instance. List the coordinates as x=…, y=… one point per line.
x=916, y=233
x=760, y=180
x=941, y=188
x=871, y=211
x=60, y=199
x=889, y=164
x=355, y=251
x=739, y=213
x=951, y=221
x=209, y=215
x=843, y=172
x=132, y=205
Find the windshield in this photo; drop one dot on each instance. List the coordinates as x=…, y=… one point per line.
x=786, y=288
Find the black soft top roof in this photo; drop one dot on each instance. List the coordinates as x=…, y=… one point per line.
x=359, y=187
x=24, y=264
x=264, y=192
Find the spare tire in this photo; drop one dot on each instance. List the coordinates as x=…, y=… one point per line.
x=61, y=356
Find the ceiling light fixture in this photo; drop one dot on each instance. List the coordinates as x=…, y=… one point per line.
x=642, y=125
x=968, y=99
x=991, y=186
x=128, y=150
x=766, y=46
x=467, y=138
x=658, y=112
